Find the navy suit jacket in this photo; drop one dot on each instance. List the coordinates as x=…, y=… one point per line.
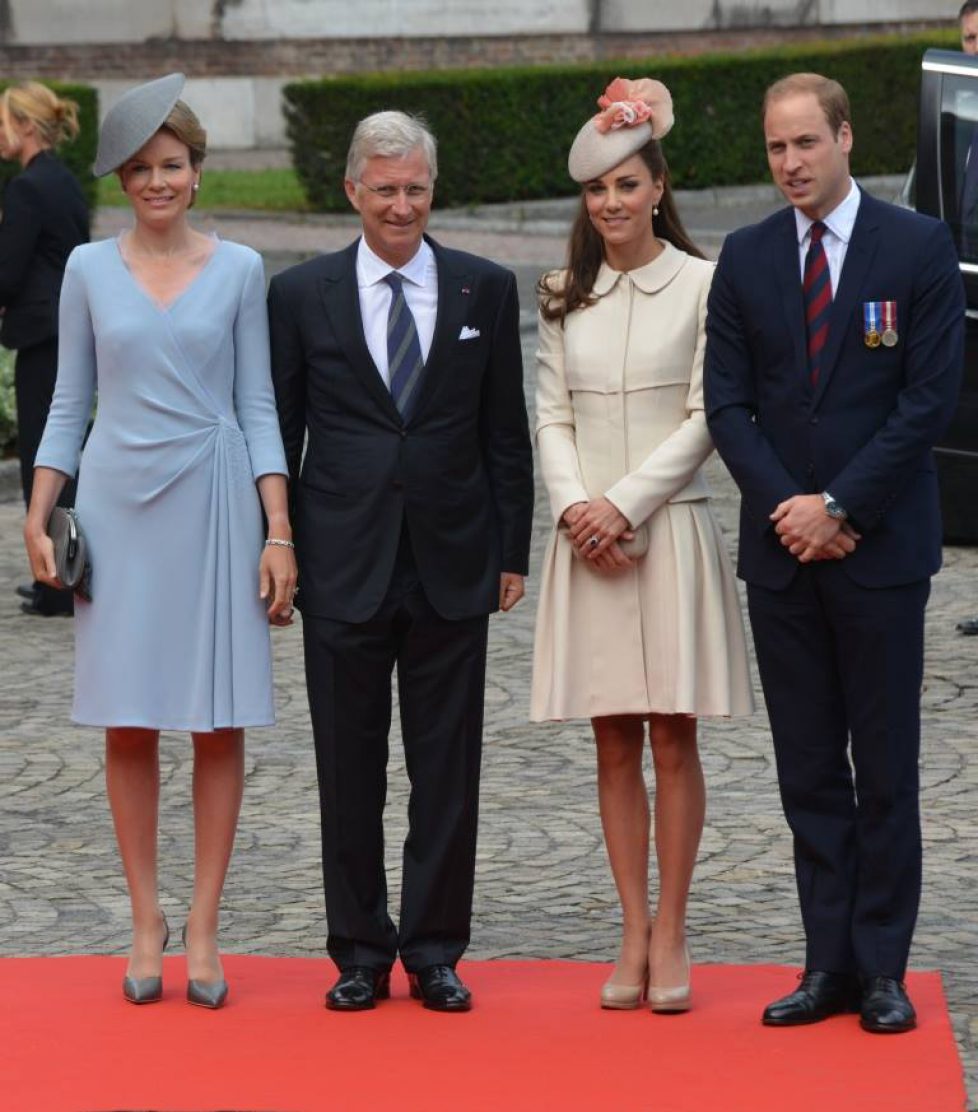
x=866, y=431
x=459, y=470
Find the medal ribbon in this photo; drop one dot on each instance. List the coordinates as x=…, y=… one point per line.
x=870, y=316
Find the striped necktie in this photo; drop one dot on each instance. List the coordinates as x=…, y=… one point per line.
x=404, y=362
x=817, y=288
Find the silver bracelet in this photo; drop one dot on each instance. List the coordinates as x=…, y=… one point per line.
x=278, y=541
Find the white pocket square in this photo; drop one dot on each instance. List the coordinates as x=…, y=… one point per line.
x=469, y=333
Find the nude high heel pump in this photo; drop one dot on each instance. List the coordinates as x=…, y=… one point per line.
x=624, y=998
x=146, y=990
x=205, y=994
x=676, y=998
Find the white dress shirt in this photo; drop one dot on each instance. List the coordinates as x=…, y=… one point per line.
x=838, y=231
x=420, y=286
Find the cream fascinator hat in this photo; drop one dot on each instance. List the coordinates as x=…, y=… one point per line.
x=134, y=119
x=632, y=113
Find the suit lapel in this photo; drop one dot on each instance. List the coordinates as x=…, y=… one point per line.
x=341, y=299
x=788, y=275
x=456, y=292
x=859, y=257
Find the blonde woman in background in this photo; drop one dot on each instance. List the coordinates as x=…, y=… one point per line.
x=45, y=217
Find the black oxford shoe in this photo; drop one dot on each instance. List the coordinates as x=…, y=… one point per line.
x=886, y=1008
x=358, y=988
x=439, y=988
x=969, y=627
x=817, y=997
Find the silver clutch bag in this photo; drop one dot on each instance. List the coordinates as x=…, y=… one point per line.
x=70, y=552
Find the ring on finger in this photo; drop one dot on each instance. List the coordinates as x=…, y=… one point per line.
x=594, y=541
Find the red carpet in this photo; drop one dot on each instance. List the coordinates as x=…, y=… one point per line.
x=535, y=1040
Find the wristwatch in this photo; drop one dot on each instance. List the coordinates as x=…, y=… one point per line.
x=832, y=508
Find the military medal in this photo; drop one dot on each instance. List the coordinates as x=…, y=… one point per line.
x=871, y=322
x=889, y=337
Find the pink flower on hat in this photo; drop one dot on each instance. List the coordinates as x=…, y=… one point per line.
x=626, y=103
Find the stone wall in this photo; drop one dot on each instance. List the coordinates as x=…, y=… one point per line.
x=238, y=53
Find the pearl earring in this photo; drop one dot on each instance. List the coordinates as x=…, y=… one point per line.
x=197, y=186
x=655, y=211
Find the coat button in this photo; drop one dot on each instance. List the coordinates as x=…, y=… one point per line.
x=404, y=434
x=398, y=484
x=813, y=421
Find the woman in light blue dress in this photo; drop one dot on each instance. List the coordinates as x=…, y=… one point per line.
x=168, y=326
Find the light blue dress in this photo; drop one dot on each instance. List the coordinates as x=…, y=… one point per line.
x=176, y=636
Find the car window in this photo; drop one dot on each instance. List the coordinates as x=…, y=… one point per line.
x=958, y=162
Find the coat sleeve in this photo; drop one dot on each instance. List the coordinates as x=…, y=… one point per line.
x=873, y=478
x=288, y=378
x=506, y=436
x=673, y=463
x=729, y=391
x=555, y=432
x=254, y=399
x=18, y=236
x=74, y=391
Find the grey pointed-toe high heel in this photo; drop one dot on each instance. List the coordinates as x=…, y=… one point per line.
x=146, y=990
x=205, y=994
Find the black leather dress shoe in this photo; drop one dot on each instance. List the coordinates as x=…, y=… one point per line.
x=38, y=610
x=25, y=590
x=886, y=1008
x=439, y=988
x=969, y=627
x=358, y=988
x=817, y=997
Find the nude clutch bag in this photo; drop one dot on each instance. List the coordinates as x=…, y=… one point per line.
x=634, y=549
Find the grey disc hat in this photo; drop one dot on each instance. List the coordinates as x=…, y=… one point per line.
x=134, y=119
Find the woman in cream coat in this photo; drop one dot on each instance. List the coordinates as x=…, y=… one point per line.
x=639, y=619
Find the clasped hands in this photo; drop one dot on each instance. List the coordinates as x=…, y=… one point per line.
x=595, y=528
x=808, y=532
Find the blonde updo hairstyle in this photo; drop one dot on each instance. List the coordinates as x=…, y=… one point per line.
x=54, y=118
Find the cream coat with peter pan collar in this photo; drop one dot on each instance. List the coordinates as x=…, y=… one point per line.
x=620, y=413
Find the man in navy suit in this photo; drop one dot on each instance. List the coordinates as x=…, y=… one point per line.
x=397, y=362
x=833, y=362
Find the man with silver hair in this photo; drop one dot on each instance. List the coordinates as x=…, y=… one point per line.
x=399, y=360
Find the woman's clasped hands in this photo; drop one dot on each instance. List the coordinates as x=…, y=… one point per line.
x=595, y=528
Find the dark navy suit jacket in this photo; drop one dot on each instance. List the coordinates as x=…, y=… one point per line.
x=866, y=431
x=459, y=469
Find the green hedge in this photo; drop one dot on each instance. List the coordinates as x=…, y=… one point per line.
x=8, y=404
x=504, y=134
x=80, y=154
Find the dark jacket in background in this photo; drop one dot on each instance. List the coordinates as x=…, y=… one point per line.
x=45, y=217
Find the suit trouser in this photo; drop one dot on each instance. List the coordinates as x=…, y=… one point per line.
x=35, y=372
x=841, y=667
x=441, y=685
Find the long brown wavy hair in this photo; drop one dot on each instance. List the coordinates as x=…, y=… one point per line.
x=585, y=252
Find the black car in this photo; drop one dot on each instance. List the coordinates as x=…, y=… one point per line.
x=945, y=185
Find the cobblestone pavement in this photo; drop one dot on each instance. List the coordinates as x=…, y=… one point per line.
x=543, y=887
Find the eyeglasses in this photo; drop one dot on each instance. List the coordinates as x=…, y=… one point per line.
x=412, y=192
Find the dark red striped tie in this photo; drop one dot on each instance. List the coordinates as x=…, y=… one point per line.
x=817, y=287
